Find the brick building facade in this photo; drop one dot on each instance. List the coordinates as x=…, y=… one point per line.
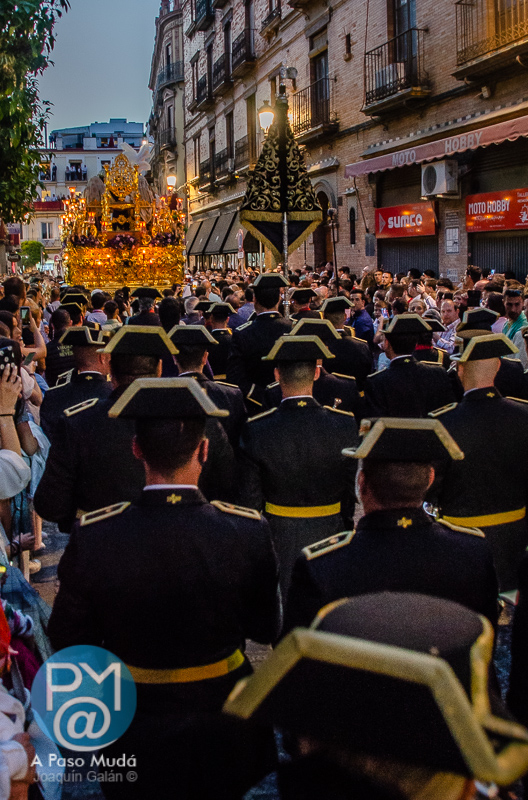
x=382, y=91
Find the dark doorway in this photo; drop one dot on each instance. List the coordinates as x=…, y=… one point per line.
x=322, y=239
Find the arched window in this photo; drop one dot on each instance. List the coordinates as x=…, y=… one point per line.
x=352, y=220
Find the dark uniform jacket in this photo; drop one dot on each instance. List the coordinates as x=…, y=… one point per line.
x=352, y=357
x=59, y=359
x=407, y=388
x=249, y=344
x=144, y=318
x=307, y=313
x=517, y=697
x=431, y=355
x=293, y=469
x=491, y=480
x=174, y=583
x=398, y=550
x=227, y=397
x=91, y=465
x=80, y=388
x=510, y=380
x=218, y=355
x=329, y=390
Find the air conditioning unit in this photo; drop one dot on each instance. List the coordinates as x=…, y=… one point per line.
x=441, y=177
x=391, y=75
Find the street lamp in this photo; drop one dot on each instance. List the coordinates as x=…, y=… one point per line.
x=266, y=116
x=171, y=183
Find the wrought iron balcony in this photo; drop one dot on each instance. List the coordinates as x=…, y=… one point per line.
x=204, y=14
x=242, y=153
x=242, y=54
x=167, y=138
x=172, y=73
x=312, y=110
x=204, y=97
x=395, y=72
x=224, y=162
x=206, y=176
x=222, y=75
x=490, y=36
x=272, y=21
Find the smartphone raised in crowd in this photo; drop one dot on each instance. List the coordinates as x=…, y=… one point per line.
x=25, y=315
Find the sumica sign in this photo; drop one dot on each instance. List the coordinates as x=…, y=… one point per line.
x=417, y=219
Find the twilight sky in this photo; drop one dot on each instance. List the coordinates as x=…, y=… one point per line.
x=102, y=62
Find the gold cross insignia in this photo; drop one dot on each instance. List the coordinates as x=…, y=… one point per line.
x=302, y=403
x=173, y=498
x=404, y=523
x=490, y=394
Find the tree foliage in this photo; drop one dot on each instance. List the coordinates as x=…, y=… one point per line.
x=26, y=42
x=32, y=252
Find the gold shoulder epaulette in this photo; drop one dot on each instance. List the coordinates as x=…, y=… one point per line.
x=225, y=383
x=461, y=528
x=245, y=325
x=432, y=363
x=262, y=414
x=248, y=396
x=517, y=399
x=239, y=511
x=272, y=385
x=340, y=411
x=81, y=406
x=437, y=412
x=440, y=349
x=346, y=377
x=64, y=378
x=377, y=372
x=57, y=386
x=328, y=545
x=349, y=329
x=103, y=513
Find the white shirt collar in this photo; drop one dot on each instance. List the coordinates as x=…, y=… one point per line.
x=170, y=486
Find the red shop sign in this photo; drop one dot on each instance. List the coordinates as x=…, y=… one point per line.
x=497, y=211
x=417, y=219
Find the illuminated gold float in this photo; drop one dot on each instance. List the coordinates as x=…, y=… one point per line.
x=119, y=234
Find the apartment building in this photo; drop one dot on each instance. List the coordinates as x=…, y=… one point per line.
x=166, y=123
x=412, y=115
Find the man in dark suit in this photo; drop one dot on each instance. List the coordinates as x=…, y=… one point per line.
x=209, y=578
x=146, y=315
x=291, y=462
x=396, y=546
x=219, y=315
x=88, y=380
x=406, y=388
x=352, y=355
x=254, y=340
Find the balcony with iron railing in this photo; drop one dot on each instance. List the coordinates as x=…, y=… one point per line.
x=312, y=111
x=204, y=14
x=172, y=73
x=222, y=75
x=272, y=21
x=224, y=163
x=167, y=138
x=491, y=35
x=242, y=153
x=204, y=97
x=395, y=73
x=206, y=173
x=242, y=53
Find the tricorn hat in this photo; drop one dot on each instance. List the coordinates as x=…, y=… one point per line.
x=321, y=328
x=84, y=336
x=336, y=305
x=165, y=398
x=270, y=280
x=146, y=291
x=485, y=346
x=401, y=439
x=141, y=340
x=191, y=335
x=298, y=348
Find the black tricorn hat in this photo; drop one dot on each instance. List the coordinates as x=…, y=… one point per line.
x=270, y=280
x=146, y=291
x=334, y=305
x=221, y=310
x=203, y=306
x=84, y=336
x=485, y=346
x=321, y=328
x=408, y=324
x=433, y=320
x=74, y=297
x=401, y=439
x=66, y=305
x=302, y=295
x=141, y=340
x=191, y=335
x=476, y=321
x=298, y=348
x=397, y=676
x=165, y=398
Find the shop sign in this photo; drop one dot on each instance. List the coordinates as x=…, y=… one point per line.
x=497, y=211
x=416, y=219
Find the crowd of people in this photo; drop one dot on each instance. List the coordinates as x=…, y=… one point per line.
x=328, y=464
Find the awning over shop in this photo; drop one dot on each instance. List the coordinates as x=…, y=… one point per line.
x=442, y=148
x=198, y=246
x=218, y=236
x=231, y=243
x=190, y=236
